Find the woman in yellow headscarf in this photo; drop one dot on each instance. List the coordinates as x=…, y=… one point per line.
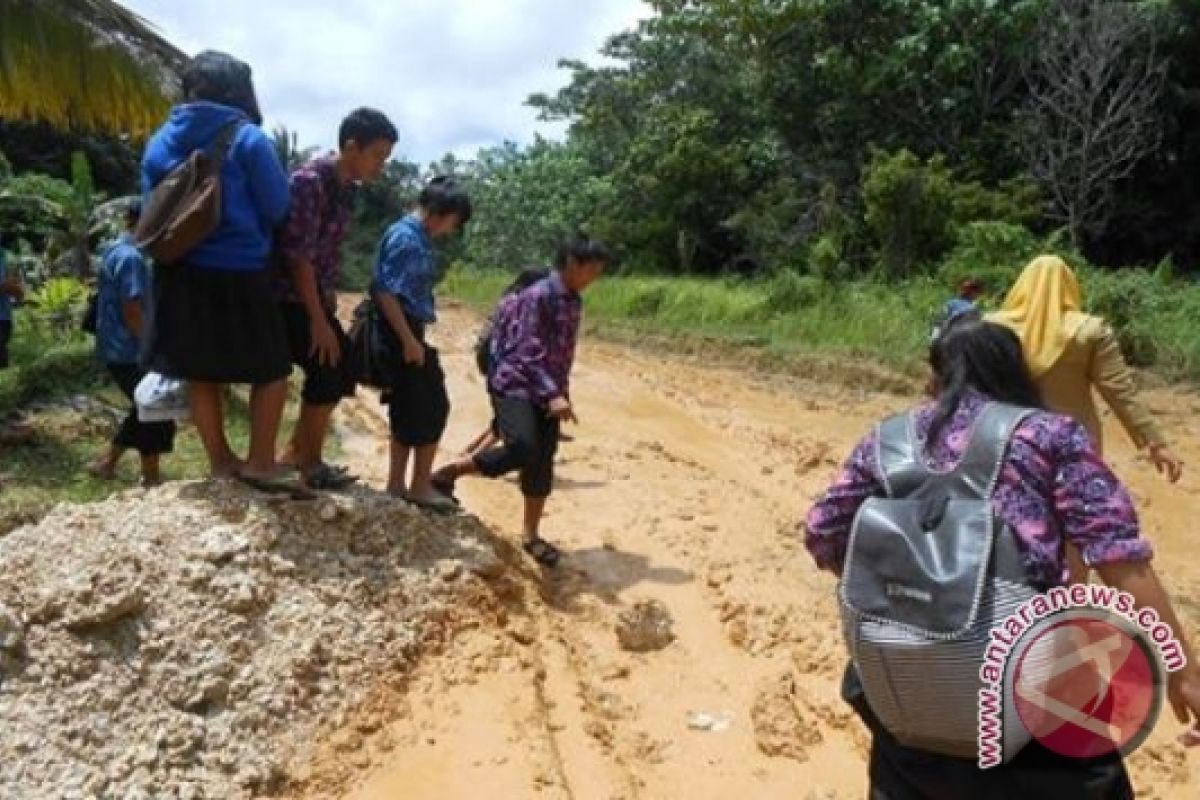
x=1070, y=352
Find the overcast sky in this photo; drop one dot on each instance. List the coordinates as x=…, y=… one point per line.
x=452, y=74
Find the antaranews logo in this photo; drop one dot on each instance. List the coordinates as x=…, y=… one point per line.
x=1080, y=669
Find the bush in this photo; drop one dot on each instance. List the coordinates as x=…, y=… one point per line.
x=917, y=212
x=59, y=303
x=909, y=205
x=993, y=252
x=789, y=291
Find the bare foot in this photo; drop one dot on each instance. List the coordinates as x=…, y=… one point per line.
x=227, y=470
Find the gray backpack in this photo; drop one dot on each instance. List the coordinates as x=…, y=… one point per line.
x=929, y=571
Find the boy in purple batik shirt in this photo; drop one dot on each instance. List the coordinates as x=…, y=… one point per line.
x=321, y=199
x=532, y=351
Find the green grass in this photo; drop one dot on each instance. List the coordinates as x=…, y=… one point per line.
x=793, y=318
x=790, y=318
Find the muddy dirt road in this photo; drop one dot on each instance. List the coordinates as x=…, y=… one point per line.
x=684, y=485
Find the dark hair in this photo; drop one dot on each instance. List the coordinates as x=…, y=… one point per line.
x=970, y=286
x=526, y=278
x=221, y=78
x=366, y=126
x=983, y=356
x=579, y=248
x=442, y=196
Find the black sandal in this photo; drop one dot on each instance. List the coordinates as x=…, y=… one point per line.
x=542, y=551
x=445, y=487
x=325, y=478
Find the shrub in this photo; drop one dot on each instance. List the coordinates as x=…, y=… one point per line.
x=789, y=291
x=993, y=252
x=909, y=205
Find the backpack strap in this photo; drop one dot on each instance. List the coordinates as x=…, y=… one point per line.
x=219, y=150
x=979, y=468
x=896, y=452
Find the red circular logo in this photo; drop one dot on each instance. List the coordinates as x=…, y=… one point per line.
x=1086, y=684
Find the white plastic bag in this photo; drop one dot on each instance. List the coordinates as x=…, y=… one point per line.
x=160, y=399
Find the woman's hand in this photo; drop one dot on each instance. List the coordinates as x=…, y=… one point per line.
x=1183, y=690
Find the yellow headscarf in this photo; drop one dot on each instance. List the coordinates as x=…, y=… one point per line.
x=1044, y=307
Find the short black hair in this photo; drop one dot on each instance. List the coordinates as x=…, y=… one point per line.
x=526, y=278
x=366, y=126
x=442, y=196
x=579, y=247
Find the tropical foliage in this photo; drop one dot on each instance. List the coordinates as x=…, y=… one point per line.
x=845, y=137
x=84, y=64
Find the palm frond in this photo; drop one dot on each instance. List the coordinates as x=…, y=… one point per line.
x=85, y=64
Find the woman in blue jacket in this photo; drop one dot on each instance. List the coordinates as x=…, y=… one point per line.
x=215, y=320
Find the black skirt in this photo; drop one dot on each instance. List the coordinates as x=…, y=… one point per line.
x=903, y=773
x=216, y=326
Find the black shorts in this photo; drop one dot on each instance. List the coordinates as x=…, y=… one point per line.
x=148, y=438
x=324, y=384
x=6, y=327
x=418, y=405
x=530, y=440
x=217, y=326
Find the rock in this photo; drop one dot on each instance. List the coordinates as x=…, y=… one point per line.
x=221, y=543
x=449, y=571
x=106, y=610
x=645, y=627
x=12, y=631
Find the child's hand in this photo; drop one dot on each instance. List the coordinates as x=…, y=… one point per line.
x=561, y=410
x=325, y=346
x=414, y=352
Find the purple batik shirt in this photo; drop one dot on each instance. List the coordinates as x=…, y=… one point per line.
x=1052, y=488
x=533, y=342
x=317, y=222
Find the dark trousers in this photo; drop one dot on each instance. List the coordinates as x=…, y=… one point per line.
x=530, y=437
x=324, y=384
x=1036, y=773
x=418, y=404
x=148, y=438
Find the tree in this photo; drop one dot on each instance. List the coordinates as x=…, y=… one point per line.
x=84, y=64
x=1095, y=78
x=287, y=146
x=529, y=199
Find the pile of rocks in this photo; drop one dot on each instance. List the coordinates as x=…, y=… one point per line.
x=183, y=642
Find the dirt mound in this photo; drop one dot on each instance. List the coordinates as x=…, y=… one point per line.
x=187, y=642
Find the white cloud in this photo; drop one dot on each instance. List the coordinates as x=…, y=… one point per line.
x=452, y=74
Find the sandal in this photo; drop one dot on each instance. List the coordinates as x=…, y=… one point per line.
x=324, y=478
x=542, y=551
x=280, y=484
x=445, y=486
x=441, y=505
